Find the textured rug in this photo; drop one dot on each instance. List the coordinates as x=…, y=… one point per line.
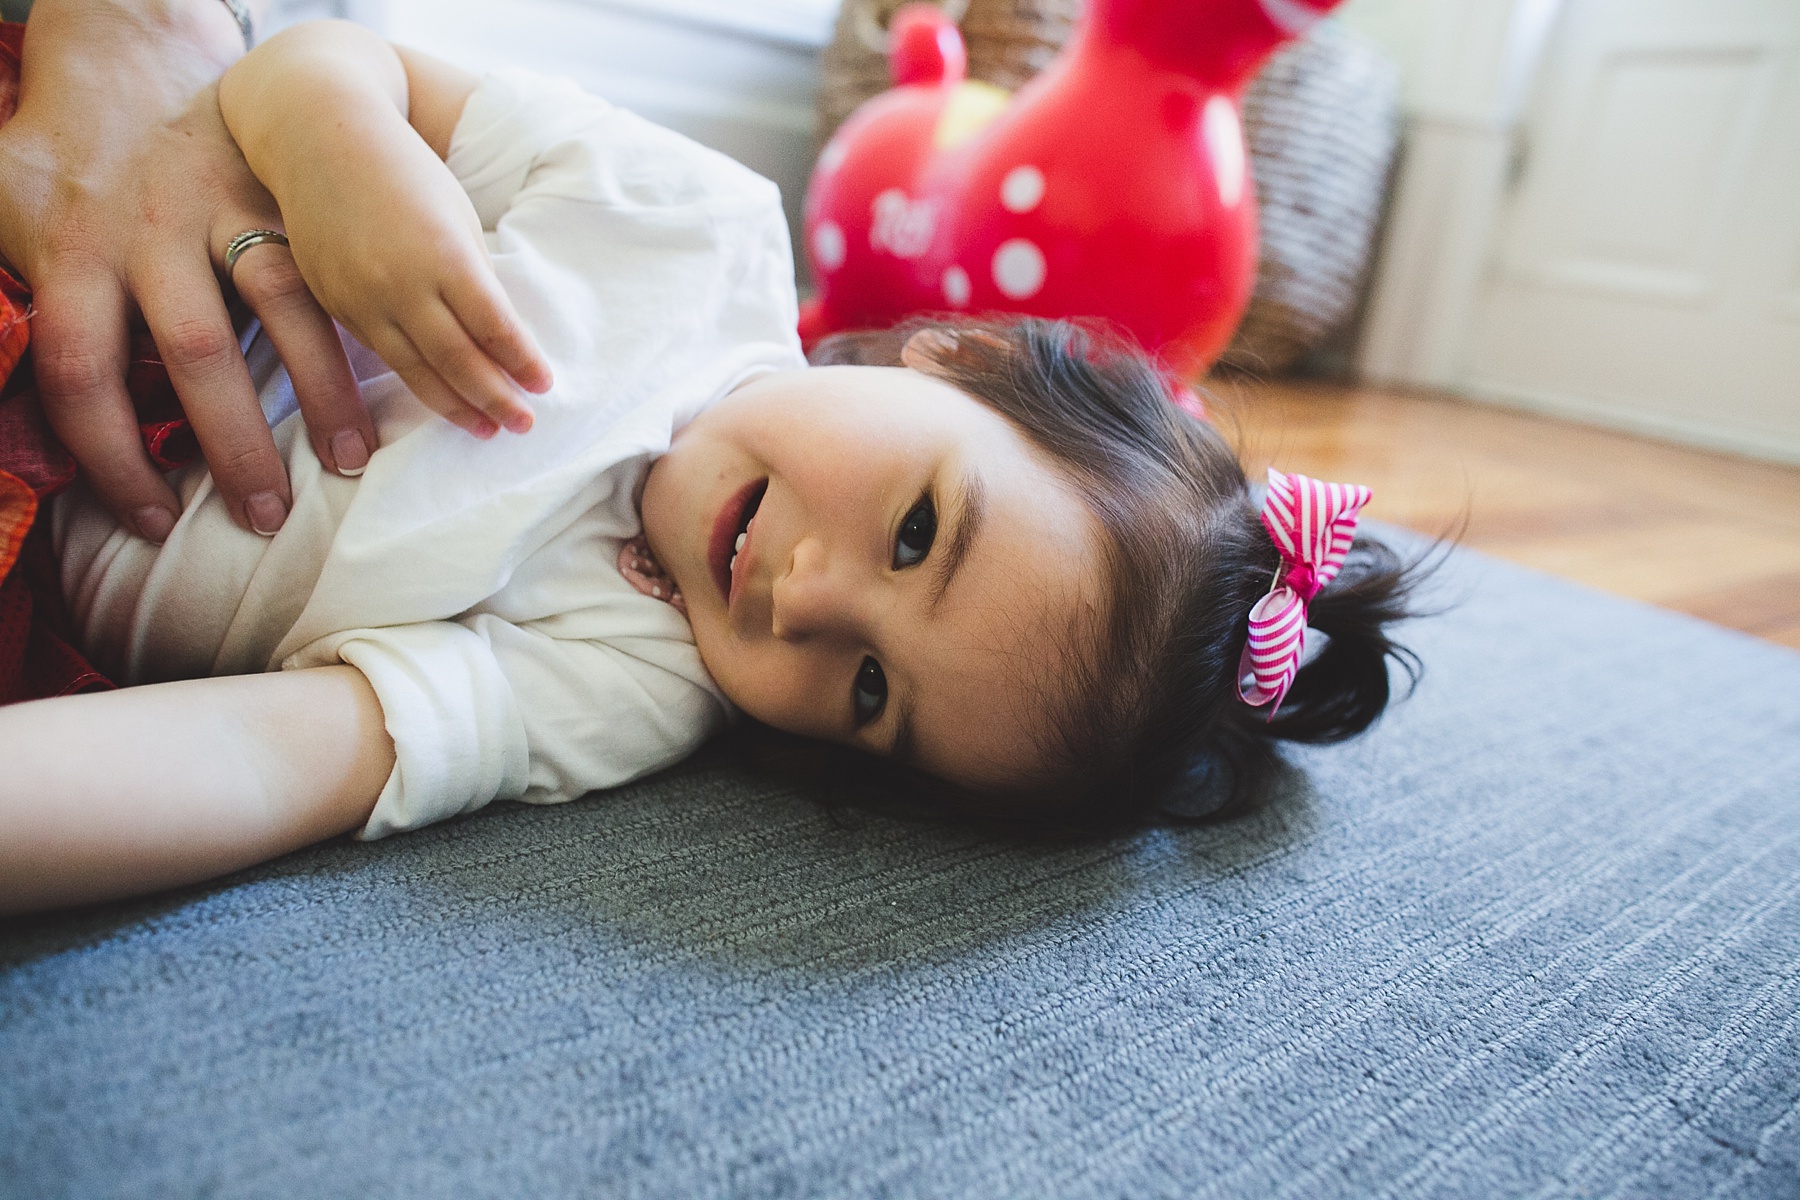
x=1537, y=935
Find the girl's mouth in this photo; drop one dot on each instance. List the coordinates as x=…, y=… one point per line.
x=729, y=531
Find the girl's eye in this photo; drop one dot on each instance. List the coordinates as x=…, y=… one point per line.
x=913, y=542
x=868, y=694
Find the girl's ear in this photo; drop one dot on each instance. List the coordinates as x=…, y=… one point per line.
x=927, y=348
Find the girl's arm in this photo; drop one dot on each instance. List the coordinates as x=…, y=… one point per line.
x=121, y=793
x=380, y=229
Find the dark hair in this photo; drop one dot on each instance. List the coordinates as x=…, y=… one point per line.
x=1152, y=715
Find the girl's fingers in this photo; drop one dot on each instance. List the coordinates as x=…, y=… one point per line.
x=397, y=351
x=442, y=342
x=487, y=314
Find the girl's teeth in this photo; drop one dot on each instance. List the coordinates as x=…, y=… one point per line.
x=741, y=538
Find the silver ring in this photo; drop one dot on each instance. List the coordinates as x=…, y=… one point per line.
x=250, y=237
x=246, y=26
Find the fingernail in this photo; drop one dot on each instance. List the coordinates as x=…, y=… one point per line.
x=484, y=428
x=266, y=512
x=519, y=422
x=155, y=523
x=350, y=452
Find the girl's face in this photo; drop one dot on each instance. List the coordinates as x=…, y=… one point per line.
x=912, y=578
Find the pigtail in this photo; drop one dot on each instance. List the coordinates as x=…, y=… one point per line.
x=1347, y=684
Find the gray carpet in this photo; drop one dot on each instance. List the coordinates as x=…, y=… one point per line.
x=1521, y=940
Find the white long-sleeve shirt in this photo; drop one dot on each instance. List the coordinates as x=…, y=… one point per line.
x=475, y=583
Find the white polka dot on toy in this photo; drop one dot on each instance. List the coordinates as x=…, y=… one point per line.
x=956, y=286
x=1018, y=268
x=1022, y=188
x=832, y=156
x=828, y=245
x=1225, y=139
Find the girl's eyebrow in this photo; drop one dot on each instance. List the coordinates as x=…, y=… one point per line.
x=966, y=519
x=970, y=508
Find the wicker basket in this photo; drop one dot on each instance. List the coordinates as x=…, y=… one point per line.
x=1323, y=123
x=1009, y=41
x=1322, y=120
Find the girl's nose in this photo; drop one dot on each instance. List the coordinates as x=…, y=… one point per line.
x=813, y=597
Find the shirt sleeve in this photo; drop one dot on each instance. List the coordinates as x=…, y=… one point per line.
x=631, y=251
x=482, y=710
x=459, y=738
x=524, y=138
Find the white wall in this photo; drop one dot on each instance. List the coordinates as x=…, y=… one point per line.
x=1402, y=28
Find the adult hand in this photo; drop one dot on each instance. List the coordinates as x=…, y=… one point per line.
x=122, y=190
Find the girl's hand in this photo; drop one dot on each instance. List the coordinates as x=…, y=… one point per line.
x=379, y=228
x=394, y=250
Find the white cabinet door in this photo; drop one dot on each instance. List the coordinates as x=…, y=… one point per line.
x=1648, y=272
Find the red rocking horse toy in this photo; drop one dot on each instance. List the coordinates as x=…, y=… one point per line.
x=1116, y=184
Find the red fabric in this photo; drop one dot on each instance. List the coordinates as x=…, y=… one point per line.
x=12, y=40
x=37, y=657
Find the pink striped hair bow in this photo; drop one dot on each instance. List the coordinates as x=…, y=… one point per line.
x=1312, y=524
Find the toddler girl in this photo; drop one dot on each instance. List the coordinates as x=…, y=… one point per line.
x=990, y=551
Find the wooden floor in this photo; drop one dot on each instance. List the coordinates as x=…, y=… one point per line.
x=1709, y=534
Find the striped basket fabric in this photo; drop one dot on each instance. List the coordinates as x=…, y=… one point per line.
x=1322, y=121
